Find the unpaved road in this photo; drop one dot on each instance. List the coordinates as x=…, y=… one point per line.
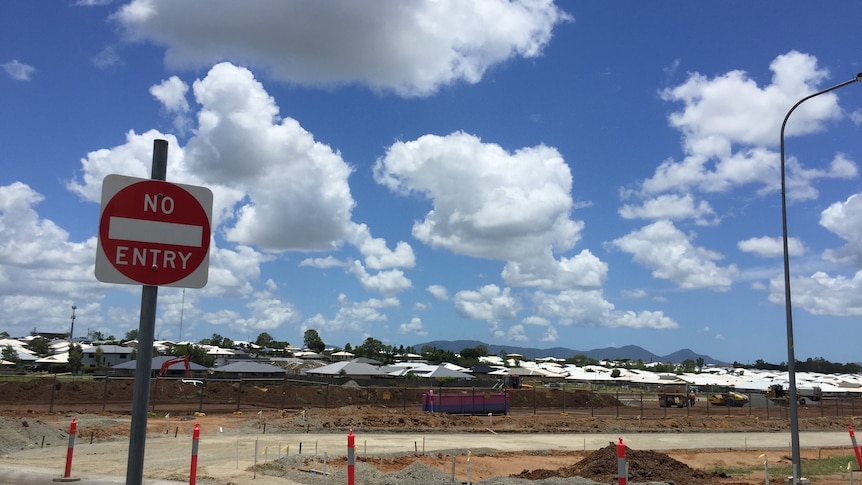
x=226, y=457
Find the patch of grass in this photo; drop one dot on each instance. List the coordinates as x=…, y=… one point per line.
x=823, y=466
x=810, y=468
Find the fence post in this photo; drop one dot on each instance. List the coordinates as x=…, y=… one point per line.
x=53, y=389
x=618, y=402
x=203, y=391
x=238, y=394
x=105, y=394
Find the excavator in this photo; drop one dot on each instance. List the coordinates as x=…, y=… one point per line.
x=170, y=362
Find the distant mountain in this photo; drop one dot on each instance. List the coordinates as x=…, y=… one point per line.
x=632, y=352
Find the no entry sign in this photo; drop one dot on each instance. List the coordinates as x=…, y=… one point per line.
x=153, y=232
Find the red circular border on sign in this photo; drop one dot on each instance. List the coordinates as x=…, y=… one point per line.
x=129, y=203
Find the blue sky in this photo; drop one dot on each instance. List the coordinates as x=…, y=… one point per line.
x=530, y=173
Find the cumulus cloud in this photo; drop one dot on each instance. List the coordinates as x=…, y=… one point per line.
x=352, y=316
x=821, y=294
x=490, y=304
x=771, y=246
x=729, y=125
x=387, y=282
x=590, y=309
x=670, y=255
x=413, y=327
x=267, y=312
x=494, y=204
x=844, y=218
x=172, y=94
x=410, y=48
x=672, y=207
x=40, y=266
x=439, y=292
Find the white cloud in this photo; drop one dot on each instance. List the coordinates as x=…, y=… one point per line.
x=387, y=282
x=172, y=94
x=516, y=334
x=669, y=254
x=439, y=292
x=324, y=263
x=42, y=272
x=414, y=327
x=410, y=48
x=287, y=178
x=768, y=247
x=590, y=309
x=537, y=321
x=377, y=255
x=845, y=220
x=821, y=294
x=489, y=303
x=729, y=122
x=673, y=207
x=550, y=335
x=491, y=203
x=352, y=316
x=267, y=312
x=18, y=70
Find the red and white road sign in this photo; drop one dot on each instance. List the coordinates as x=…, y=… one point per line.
x=152, y=232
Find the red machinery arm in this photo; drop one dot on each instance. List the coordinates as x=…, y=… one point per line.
x=171, y=362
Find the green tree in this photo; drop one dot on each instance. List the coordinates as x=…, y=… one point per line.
x=371, y=348
x=41, y=346
x=313, y=341
x=76, y=359
x=196, y=353
x=688, y=365
x=264, y=340
x=99, y=357
x=131, y=335
x=9, y=354
x=96, y=336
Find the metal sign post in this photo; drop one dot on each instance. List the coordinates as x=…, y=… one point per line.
x=154, y=234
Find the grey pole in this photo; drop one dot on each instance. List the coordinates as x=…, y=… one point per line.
x=72, y=330
x=144, y=366
x=791, y=358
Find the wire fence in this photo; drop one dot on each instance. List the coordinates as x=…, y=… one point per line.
x=57, y=393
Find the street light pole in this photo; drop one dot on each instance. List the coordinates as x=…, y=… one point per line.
x=791, y=358
x=72, y=331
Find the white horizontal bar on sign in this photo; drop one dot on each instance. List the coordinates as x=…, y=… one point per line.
x=141, y=230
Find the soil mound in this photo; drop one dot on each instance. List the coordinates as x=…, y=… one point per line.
x=643, y=466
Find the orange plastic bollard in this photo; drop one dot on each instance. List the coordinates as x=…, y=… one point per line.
x=622, y=469
x=351, y=458
x=856, y=449
x=196, y=436
x=73, y=430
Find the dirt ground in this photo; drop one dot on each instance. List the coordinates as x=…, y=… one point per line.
x=22, y=421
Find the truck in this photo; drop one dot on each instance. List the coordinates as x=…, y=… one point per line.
x=674, y=395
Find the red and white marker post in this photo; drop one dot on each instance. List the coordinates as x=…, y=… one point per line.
x=351, y=458
x=73, y=430
x=622, y=467
x=193, y=472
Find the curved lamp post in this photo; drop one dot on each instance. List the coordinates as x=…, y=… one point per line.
x=791, y=359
